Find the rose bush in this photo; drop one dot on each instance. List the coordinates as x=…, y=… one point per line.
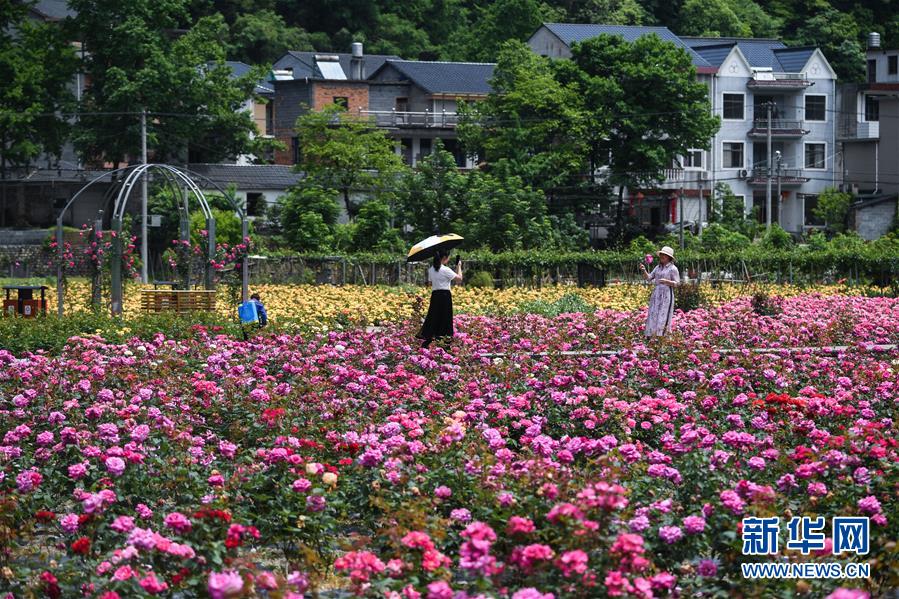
x=513, y=466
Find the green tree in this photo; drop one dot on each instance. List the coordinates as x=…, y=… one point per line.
x=530, y=120
x=400, y=37
x=373, y=230
x=262, y=37
x=37, y=64
x=227, y=227
x=715, y=18
x=433, y=195
x=833, y=208
x=612, y=12
x=498, y=22
x=717, y=238
x=730, y=211
x=133, y=61
x=308, y=217
x=646, y=96
x=348, y=155
x=838, y=35
x=505, y=214
x=776, y=238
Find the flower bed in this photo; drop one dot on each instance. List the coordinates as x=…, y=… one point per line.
x=352, y=460
x=327, y=305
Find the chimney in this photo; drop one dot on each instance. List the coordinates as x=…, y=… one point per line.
x=357, y=62
x=873, y=40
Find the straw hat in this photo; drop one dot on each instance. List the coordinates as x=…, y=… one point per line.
x=667, y=251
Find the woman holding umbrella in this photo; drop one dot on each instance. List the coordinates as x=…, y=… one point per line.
x=439, y=320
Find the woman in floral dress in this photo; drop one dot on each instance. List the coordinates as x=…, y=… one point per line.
x=665, y=277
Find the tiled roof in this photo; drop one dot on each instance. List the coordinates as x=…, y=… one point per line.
x=53, y=10
x=239, y=69
x=303, y=63
x=793, y=59
x=715, y=54
x=254, y=176
x=764, y=53
x=444, y=77
x=578, y=32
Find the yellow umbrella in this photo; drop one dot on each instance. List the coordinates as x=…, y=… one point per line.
x=428, y=248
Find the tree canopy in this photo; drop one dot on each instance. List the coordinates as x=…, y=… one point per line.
x=36, y=67
x=135, y=58
x=476, y=30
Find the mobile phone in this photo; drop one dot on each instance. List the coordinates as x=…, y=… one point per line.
x=458, y=259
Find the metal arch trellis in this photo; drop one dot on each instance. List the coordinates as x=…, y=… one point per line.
x=176, y=178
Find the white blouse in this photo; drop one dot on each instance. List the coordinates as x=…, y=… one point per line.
x=441, y=279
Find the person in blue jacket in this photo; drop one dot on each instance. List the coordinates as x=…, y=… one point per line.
x=260, y=309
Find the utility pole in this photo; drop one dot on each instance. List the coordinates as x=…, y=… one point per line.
x=681, y=210
x=701, y=206
x=144, y=253
x=780, y=201
x=768, y=184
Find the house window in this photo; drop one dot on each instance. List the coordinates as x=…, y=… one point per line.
x=733, y=154
x=693, y=159
x=809, y=203
x=872, y=71
x=255, y=204
x=424, y=147
x=342, y=101
x=406, y=145
x=815, y=156
x=295, y=149
x=401, y=105
x=892, y=65
x=733, y=107
x=815, y=108
x=872, y=108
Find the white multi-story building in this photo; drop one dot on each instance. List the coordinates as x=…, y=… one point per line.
x=868, y=134
x=743, y=76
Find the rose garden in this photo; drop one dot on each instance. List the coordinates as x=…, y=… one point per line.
x=538, y=455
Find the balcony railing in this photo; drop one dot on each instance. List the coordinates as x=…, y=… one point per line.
x=399, y=118
x=859, y=130
x=788, y=176
x=779, y=128
x=692, y=176
x=768, y=80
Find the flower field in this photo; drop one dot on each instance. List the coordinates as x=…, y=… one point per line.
x=325, y=305
x=354, y=462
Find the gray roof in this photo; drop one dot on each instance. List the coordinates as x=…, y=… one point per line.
x=571, y=33
x=58, y=175
x=866, y=200
x=443, y=77
x=254, y=176
x=53, y=10
x=239, y=69
x=303, y=63
x=765, y=53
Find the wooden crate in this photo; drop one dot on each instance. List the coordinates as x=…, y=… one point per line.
x=177, y=300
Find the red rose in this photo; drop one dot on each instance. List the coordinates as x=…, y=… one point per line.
x=82, y=546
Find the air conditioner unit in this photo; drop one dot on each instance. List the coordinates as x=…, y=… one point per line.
x=744, y=174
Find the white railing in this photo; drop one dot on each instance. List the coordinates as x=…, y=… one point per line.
x=852, y=129
x=402, y=118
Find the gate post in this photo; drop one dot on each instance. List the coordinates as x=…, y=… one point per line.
x=116, y=268
x=210, y=253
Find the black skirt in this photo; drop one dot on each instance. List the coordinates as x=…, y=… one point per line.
x=439, y=321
